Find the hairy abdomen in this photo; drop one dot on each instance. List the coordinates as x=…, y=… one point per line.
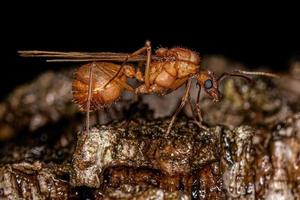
x=100, y=97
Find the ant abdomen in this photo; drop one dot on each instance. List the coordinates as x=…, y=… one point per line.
x=101, y=95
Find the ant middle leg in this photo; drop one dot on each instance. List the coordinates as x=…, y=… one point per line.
x=233, y=73
x=199, y=114
x=183, y=102
x=196, y=111
x=192, y=107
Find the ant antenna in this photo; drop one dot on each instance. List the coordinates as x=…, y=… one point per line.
x=234, y=73
x=242, y=74
x=258, y=73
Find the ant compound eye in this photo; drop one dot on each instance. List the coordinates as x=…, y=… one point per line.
x=208, y=84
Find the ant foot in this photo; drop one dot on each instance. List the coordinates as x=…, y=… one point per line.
x=201, y=126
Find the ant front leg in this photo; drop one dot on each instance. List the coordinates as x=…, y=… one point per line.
x=199, y=114
x=183, y=101
x=146, y=48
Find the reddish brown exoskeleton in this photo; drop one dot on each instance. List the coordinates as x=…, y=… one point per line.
x=98, y=84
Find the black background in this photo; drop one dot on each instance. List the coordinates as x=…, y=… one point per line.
x=251, y=34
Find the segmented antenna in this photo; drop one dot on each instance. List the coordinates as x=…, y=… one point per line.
x=257, y=73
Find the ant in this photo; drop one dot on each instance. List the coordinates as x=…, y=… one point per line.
x=100, y=83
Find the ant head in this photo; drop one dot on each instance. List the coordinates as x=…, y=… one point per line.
x=207, y=80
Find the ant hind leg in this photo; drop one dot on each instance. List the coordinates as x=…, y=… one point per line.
x=88, y=106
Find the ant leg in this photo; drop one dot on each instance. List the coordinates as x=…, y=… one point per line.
x=147, y=48
x=198, y=105
x=198, y=121
x=192, y=107
x=191, y=104
x=89, y=98
x=257, y=73
x=183, y=101
x=147, y=70
x=139, y=74
x=199, y=114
